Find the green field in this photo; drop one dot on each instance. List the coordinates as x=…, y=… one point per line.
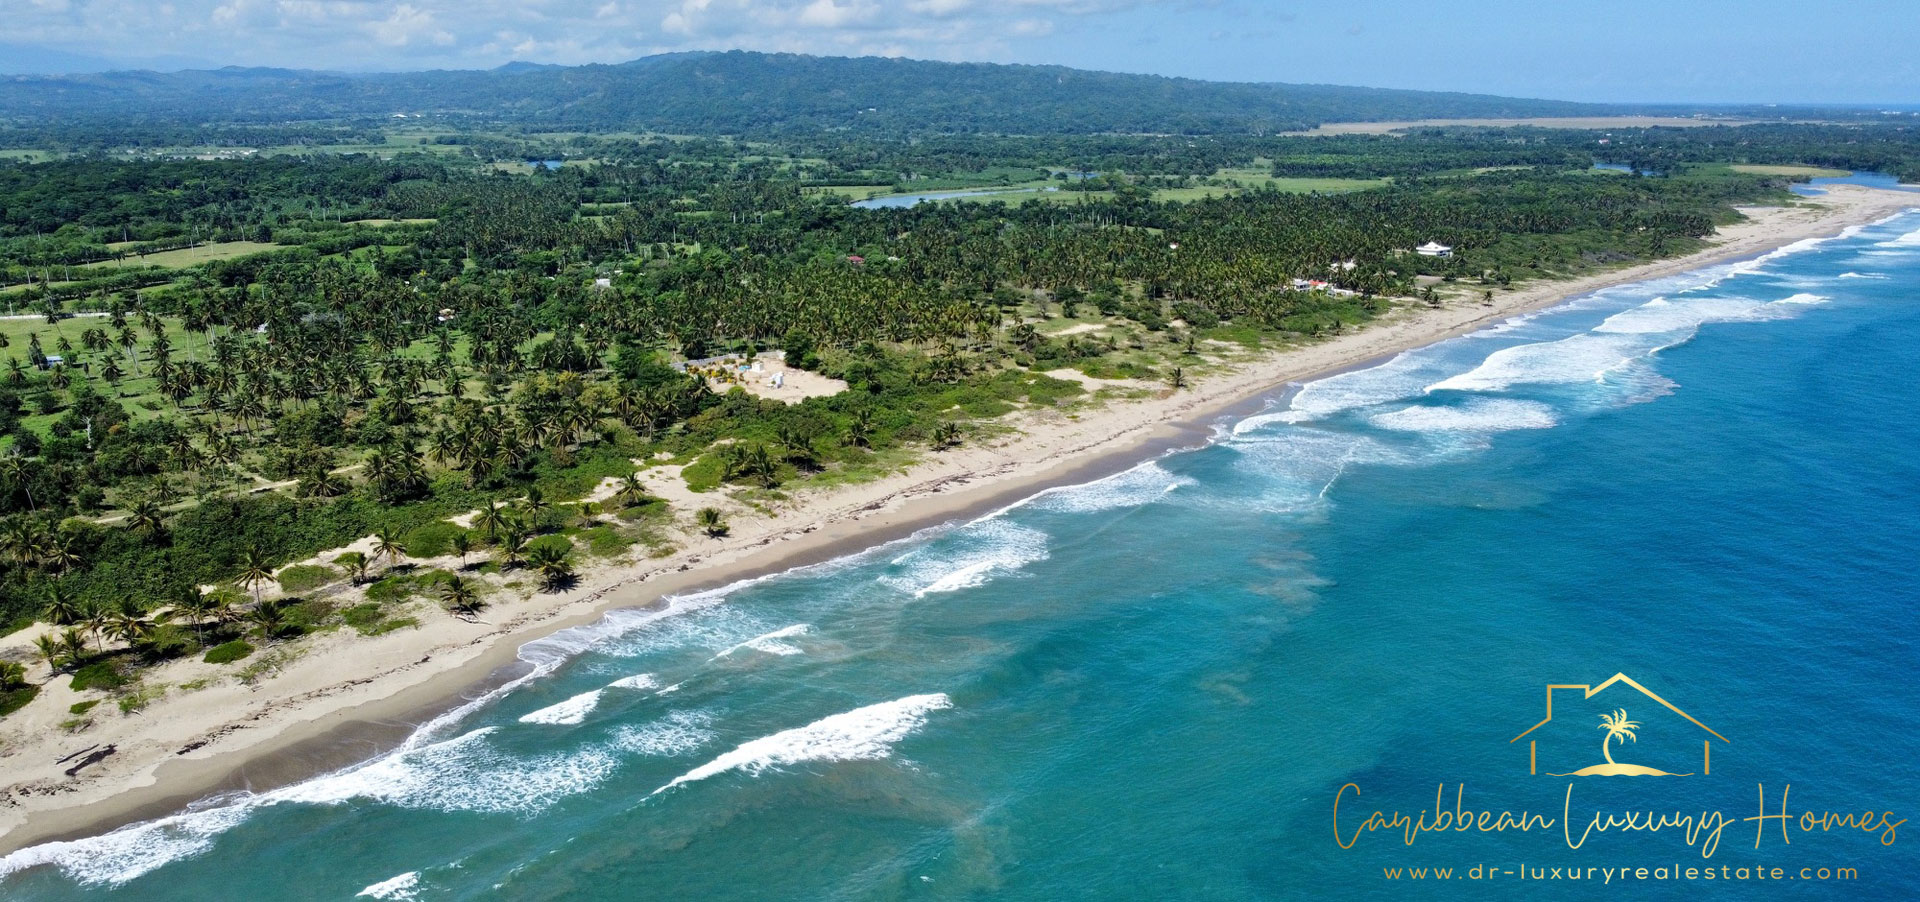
x=187, y=256
x=1789, y=171
x=851, y=192
x=138, y=393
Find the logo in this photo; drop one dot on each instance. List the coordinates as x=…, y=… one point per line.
x=1562, y=744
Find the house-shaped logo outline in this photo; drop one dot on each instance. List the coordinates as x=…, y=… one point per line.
x=1533, y=756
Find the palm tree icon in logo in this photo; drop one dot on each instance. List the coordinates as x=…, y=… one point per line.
x=1616, y=724
x=1618, y=727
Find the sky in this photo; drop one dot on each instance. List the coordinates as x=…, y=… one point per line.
x=1701, y=51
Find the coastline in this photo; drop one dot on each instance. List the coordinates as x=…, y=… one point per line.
x=349, y=699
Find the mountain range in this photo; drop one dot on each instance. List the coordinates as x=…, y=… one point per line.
x=747, y=93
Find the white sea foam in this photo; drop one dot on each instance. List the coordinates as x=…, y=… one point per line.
x=1910, y=239
x=637, y=681
x=769, y=643
x=1299, y=465
x=126, y=853
x=1863, y=275
x=1804, y=298
x=1587, y=357
x=571, y=711
x=464, y=773
x=862, y=734
x=1479, y=415
x=968, y=556
x=1683, y=315
x=679, y=733
x=402, y=887
x=1402, y=377
x=1133, y=487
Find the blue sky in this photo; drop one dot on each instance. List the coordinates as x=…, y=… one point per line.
x=1627, y=50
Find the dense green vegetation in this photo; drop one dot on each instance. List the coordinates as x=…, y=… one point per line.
x=218, y=368
x=756, y=93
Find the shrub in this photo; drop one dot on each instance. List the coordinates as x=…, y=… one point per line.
x=226, y=653
x=14, y=699
x=82, y=707
x=704, y=475
x=604, y=541
x=558, y=543
x=169, y=640
x=305, y=577
x=140, y=698
x=308, y=614
x=391, y=589
x=98, y=675
x=371, y=619
x=431, y=540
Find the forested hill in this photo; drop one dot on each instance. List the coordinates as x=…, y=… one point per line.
x=744, y=93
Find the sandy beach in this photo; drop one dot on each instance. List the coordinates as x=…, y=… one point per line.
x=344, y=698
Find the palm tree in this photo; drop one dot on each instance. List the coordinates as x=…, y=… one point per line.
x=24, y=539
x=254, y=570
x=632, y=492
x=384, y=543
x=62, y=554
x=62, y=608
x=98, y=622
x=513, y=546
x=711, y=522
x=199, y=607
x=1178, y=378
x=73, y=644
x=535, y=502
x=589, y=513
x=946, y=435
x=356, y=563
x=552, y=564
x=1616, y=724
x=860, y=429
x=461, y=595
x=15, y=472
x=491, y=518
x=270, y=619
x=130, y=625
x=51, y=651
x=148, y=517
x=463, y=546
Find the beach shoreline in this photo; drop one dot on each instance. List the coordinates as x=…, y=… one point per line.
x=351, y=699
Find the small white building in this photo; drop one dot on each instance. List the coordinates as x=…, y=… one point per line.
x=1433, y=249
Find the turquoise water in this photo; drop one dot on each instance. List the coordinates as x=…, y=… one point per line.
x=1153, y=686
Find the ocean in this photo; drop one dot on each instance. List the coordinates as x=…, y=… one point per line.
x=1156, y=685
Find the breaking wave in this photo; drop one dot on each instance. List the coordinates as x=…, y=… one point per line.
x=571, y=711
x=1490, y=415
x=969, y=556
x=863, y=734
x=396, y=888
x=769, y=643
x=1143, y=484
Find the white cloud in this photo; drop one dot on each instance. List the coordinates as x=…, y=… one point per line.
x=406, y=34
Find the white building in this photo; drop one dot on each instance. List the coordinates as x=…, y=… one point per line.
x=1433, y=249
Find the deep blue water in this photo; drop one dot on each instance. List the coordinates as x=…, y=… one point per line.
x=1154, y=686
